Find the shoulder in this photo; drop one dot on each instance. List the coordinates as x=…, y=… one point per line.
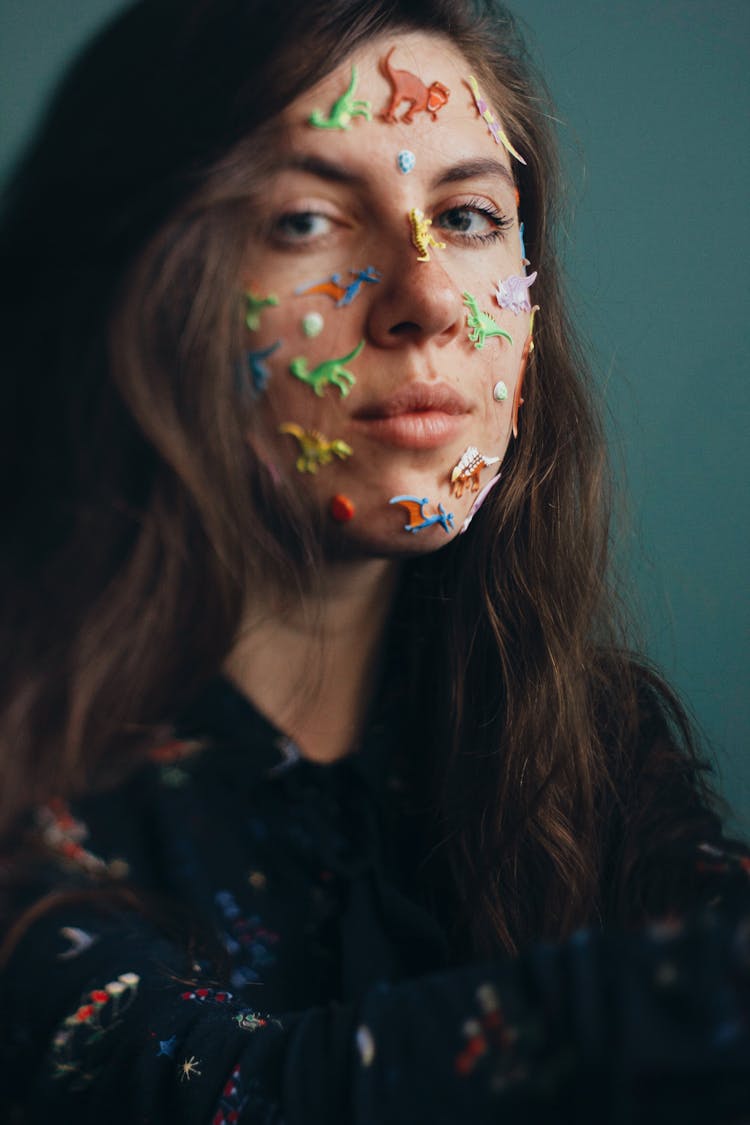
x=108, y=837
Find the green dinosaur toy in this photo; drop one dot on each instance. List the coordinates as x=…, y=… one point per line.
x=343, y=110
x=329, y=371
x=255, y=306
x=481, y=325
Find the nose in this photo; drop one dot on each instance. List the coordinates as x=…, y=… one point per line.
x=415, y=303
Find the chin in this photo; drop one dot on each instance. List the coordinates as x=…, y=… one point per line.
x=352, y=541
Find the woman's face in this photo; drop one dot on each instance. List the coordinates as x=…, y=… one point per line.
x=334, y=249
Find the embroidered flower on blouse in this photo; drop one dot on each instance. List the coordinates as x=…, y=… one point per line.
x=175, y=750
x=208, y=995
x=250, y=1021
x=232, y=1100
x=492, y=1037
x=245, y=938
x=98, y=1013
x=169, y=755
x=189, y=1068
x=79, y=940
x=63, y=835
x=167, y=1046
x=365, y=1045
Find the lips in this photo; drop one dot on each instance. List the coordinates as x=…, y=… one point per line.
x=416, y=398
x=418, y=416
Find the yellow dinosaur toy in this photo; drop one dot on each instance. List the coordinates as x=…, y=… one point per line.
x=315, y=449
x=420, y=234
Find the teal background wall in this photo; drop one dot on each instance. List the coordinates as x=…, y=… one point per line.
x=653, y=101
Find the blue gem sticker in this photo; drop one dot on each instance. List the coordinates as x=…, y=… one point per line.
x=406, y=161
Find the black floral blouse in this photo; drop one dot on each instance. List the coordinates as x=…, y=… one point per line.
x=340, y=1003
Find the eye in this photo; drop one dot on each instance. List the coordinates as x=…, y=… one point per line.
x=476, y=221
x=296, y=228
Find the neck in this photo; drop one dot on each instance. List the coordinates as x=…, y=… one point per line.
x=311, y=667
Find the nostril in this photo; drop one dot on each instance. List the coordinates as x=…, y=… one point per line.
x=404, y=328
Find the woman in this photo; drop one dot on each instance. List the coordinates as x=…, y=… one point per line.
x=329, y=790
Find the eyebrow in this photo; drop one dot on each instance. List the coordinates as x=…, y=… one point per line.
x=320, y=167
x=471, y=169
x=338, y=174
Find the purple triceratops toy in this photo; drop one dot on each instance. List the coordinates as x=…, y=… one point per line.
x=513, y=293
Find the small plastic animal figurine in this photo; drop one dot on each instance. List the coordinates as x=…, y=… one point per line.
x=527, y=350
x=524, y=260
x=467, y=471
x=343, y=294
x=481, y=325
x=260, y=372
x=417, y=518
x=407, y=87
x=513, y=293
x=498, y=135
x=315, y=448
x=255, y=305
x=343, y=110
x=329, y=371
x=480, y=499
x=420, y=234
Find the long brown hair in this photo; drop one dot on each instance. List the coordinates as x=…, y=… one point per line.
x=132, y=496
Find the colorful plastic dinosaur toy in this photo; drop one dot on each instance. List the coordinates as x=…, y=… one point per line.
x=343, y=110
x=481, y=325
x=497, y=134
x=524, y=260
x=513, y=293
x=417, y=518
x=480, y=499
x=259, y=370
x=343, y=294
x=420, y=234
x=329, y=371
x=408, y=87
x=528, y=348
x=255, y=305
x=467, y=471
x=315, y=449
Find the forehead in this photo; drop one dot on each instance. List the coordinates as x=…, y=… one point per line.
x=432, y=58
x=457, y=133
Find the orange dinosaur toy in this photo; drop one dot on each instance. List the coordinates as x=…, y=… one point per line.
x=527, y=350
x=407, y=87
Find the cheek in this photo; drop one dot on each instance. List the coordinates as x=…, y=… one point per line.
x=502, y=369
x=286, y=342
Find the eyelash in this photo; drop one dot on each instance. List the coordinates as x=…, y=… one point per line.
x=289, y=216
x=500, y=222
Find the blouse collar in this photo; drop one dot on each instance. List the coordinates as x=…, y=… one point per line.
x=223, y=716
